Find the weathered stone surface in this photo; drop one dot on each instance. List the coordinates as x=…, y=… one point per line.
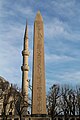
x=38, y=78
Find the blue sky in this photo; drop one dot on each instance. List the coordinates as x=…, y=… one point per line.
x=62, y=39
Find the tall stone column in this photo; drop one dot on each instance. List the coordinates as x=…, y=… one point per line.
x=25, y=67
x=38, y=75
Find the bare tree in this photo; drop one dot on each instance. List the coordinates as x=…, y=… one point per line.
x=53, y=101
x=21, y=105
x=78, y=100
x=63, y=101
x=68, y=101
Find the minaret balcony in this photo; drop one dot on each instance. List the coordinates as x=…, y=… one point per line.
x=25, y=68
x=25, y=52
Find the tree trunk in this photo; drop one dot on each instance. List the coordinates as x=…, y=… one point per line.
x=20, y=117
x=79, y=111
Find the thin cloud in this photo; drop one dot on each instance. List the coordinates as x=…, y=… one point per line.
x=62, y=37
x=57, y=28
x=72, y=77
x=17, y=10
x=58, y=58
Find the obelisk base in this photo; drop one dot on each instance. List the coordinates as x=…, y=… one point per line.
x=40, y=118
x=39, y=115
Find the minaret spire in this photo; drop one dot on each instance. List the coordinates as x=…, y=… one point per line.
x=25, y=67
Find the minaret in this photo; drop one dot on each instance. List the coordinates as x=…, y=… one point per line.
x=25, y=67
x=38, y=78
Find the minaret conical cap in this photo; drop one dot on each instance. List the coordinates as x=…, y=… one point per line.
x=26, y=30
x=38, y=17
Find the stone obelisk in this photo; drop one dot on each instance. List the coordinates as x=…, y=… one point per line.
x=38, y=75
x=25, y=67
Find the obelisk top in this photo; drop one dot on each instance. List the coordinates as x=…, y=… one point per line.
x=38, y=17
